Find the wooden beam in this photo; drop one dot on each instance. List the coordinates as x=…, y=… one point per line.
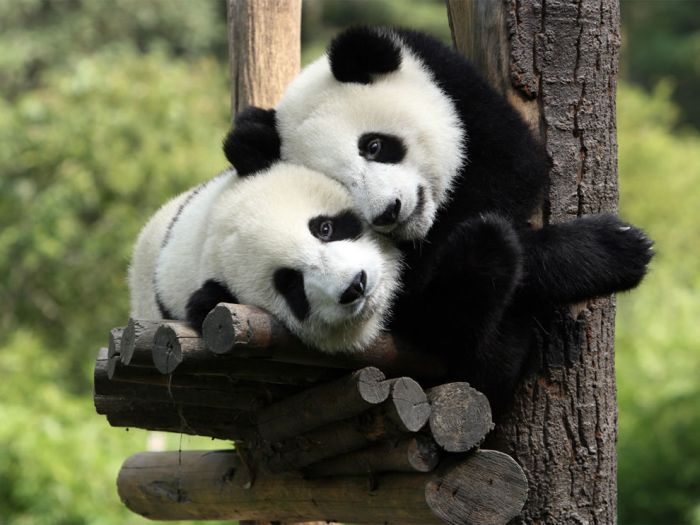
x=264, y=50
x=487, y=487
x=247, y=331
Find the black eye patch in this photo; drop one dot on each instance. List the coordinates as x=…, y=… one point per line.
x=344, y=226
x=379, y=147
x=290, y=284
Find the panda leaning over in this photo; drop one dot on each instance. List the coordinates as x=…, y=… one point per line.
x=285, y=240
x=438, y=160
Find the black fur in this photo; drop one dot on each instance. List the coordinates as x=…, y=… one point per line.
x=358, y=53
x=253, y=143
x=392, y=149
x=346, y=226
x=482, y=276
x=290, y=284
x=205, y=299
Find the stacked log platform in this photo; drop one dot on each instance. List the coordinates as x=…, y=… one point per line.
x=364, y=437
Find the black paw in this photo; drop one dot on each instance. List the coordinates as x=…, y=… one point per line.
x=628, y=251
x=487, y=252
x=589, y=257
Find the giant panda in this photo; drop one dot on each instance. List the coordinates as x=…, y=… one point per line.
x=439, y=161
x=286, y=240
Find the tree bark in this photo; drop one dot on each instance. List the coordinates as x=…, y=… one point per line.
x=264, y=50
x=557, y=62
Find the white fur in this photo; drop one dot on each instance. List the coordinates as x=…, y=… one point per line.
x=240, y=231
x=321, y=119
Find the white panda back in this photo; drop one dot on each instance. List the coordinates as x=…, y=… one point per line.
x=153, y=252
x=180, y=262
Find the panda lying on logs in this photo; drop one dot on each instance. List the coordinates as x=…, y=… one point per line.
x=285, y=240
x=433, y=156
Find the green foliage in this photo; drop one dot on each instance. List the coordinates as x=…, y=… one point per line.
x=322, y=19
x=38, y=35
x=662, y=41
x=58, y=460
x=658, y=336
x=85, y=161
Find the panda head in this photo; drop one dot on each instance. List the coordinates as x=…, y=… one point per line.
x=288, y=241
x=370, y=115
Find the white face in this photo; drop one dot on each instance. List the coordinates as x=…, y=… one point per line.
x=395, y=144
x=291, y=244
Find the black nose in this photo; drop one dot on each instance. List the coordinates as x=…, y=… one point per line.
x=389, y=215
x=355, y=290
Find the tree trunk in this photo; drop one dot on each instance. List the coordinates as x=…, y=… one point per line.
x=557, y=62
x=264, y=50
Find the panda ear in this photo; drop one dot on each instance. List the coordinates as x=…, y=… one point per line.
x=253, y=143
x=360, y=52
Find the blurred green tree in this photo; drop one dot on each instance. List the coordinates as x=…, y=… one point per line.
x=658, y=335
x=38, y=35
x=662, y=41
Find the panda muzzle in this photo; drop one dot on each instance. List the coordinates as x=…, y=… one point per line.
x=356, y=290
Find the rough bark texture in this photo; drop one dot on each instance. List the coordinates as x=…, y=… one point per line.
x=561, y=61
x=264, y=50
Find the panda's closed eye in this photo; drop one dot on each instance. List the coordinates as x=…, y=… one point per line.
x=379, y=147
x=346, y=225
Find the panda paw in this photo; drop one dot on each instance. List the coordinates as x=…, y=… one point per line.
x=628, y=250
x=487, y=252
x=588, y=257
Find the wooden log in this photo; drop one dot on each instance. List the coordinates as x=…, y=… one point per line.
x=150, y=376
x=318, y=406
x=115, y=341
x=485, y=488
x=390, y=420
x=460, y=416
x=204, y=395
x=409, y=408
x=114, y=348
x=138, y=334
x=247, y=331
x=178, y=348
x=413, y=454
x=218, y=423
x=264, y=50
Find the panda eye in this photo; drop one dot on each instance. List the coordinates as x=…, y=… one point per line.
x=374, y=148
x=382, y=148
x=325, y=231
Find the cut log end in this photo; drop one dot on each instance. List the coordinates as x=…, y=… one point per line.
x=409, y=407
x=488, y=488
x=167, y=351
x=460, y=416
x=219, y=330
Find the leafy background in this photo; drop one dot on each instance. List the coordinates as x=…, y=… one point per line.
x=109, y=108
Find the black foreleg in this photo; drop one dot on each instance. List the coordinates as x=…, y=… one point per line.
x=584, y=258
x=474, y=277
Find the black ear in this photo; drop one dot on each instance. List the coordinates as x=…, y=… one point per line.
x=360, y=52
x=253, y=143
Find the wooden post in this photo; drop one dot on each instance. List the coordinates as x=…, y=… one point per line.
x=264, y=50
x=558, y=66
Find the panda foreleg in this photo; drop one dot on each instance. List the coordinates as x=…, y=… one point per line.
x=203, y=301
x=474, y=276
x=584, y=258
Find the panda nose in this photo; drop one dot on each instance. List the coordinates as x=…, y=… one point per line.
x=389, y=215
x=355, y=290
